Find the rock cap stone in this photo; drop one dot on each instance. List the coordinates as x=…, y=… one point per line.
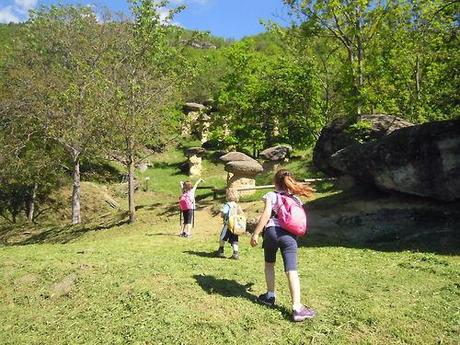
x=194, y=151
x=277, y=153
x=191, y=106
x=244, y=168
x=235, y=156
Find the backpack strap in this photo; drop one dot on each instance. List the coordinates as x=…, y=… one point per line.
x=227, y=216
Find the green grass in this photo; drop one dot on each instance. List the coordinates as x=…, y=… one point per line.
x=139, y=284
x=115, y=283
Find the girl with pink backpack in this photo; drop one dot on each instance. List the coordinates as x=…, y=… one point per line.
x=282, y=220
x=187, y=206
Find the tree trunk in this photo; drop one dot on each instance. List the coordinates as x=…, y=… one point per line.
x=76, y=217
x=417, y=77
x=360, y=78
x=132, y=206
x=31, y=208
x=360, y=56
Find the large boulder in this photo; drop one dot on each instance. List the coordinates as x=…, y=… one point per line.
x=421, y=160
x=235, y=157
x=244, y=168
x=340, y=134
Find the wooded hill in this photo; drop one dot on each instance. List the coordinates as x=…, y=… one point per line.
x=75, y=88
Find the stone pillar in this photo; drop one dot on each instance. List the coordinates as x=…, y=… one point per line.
x=238, y=182
x=244, y=173
x=205, y=123
x=194, y=166
x=194, y=155
x=192, y=113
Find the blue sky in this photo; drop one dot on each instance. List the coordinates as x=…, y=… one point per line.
x=225, y=18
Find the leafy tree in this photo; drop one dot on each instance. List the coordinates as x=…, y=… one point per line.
x=353, y=24
x=56, y=73
x=268, y=100
x=144, y=79
x=381, y=56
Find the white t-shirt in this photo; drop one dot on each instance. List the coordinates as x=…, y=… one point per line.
x=191, y=192
x=272, y=198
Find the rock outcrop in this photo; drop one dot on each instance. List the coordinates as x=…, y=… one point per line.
x=275, y=155
x=421, y=160
x=338, y=135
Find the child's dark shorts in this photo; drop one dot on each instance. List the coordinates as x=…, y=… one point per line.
x=274, y=238
x=187, y=215
x=230, y=237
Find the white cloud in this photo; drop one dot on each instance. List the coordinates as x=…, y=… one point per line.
x=164, y=14
x=7, y=15
x=17, y=12
x=26, y=4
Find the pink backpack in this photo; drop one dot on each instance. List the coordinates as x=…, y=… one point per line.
x=291, y=215
x=185, y=202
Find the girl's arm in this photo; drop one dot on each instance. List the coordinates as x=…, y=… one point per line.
x=263, y=220
x=196, y=185
x=181, y=184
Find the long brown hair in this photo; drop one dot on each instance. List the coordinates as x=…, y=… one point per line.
x=285, y=180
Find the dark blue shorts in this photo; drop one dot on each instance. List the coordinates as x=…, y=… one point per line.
x=230, y=237
x=187, y=215
x=274, y=238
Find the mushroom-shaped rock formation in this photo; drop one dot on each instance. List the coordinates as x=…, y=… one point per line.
x=243, y=175
x=192, y=123
x=194, y=155
x=275, y=155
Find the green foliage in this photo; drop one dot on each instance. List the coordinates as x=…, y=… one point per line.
x=266, y=100
x=381, y=56
x=360, y=130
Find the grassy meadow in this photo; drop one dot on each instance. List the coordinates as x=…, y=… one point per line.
x=108, y=282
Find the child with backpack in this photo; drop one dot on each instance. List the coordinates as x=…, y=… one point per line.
x=234, y=224
x=187, y=206
x=282, y=220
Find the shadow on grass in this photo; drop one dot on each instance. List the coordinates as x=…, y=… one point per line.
x=149, y=207
x=231, y=288
x=202, y=254
x=371, y=219
x=178, y=167
x=100, y=171
x=61, y=234
x=162, y=234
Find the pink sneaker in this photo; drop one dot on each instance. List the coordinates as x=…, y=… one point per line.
x=303, y=314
